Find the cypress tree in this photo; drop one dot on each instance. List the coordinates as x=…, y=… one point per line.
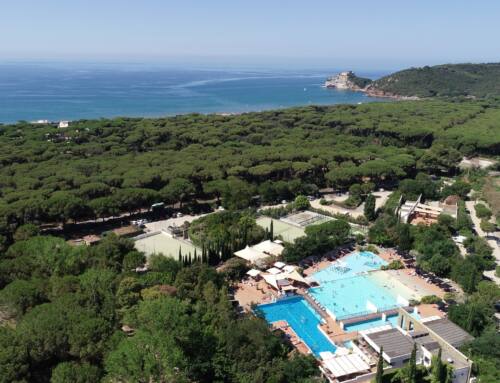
x=412, y=366
x=370, y=207
x=271, y=231
x=380, y=367
x=180, y=254
x=438, y=374
x=404, y=238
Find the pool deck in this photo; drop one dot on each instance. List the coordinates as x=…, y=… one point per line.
x=251, y=292
x=292, y=336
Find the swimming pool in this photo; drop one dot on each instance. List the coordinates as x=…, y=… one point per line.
x=349, y=266
x=347, y=289
x=303, y=319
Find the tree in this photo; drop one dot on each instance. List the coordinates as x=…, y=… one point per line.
x=14, y=360
x=413, y=365
x=448, y=222
x=404, y=237
x=380, y=367
x=105, y=207
x=235, y=268
x=301, y=203
x=482, y=211
x=438, y=369
x=127, y=293
x=487, y=226
x=21, y=296
x=26, y=231
x=63, y=206
x=369, y=208
x=237, y=194
x=132, y=260
x=409, y=372
x=177, y=190
x=216, y=188
x=147, y=357
x=75, y=373
x=111, y=251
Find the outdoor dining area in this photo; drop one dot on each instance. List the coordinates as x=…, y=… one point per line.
x=282, y=278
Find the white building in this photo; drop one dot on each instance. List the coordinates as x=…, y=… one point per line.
x=63, y=124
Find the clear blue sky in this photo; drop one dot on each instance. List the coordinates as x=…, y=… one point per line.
x=362, y=33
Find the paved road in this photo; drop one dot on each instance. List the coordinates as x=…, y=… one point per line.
x=493, y=238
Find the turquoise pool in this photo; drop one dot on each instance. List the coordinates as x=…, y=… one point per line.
x=347, y=290
x=350, y=266
x=302, y=318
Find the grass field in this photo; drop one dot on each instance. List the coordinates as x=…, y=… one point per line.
x=162, y=243
x=288, y=232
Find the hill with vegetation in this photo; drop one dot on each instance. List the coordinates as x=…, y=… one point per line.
x=101, y=168
x=83, y=313
x=449, y=80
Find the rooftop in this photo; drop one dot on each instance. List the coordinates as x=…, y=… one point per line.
x=449, y=331
x=344, y=365
x=395, y=343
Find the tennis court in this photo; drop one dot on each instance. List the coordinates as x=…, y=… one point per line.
x=288, y=232
x=305, y=218
x=162, y=243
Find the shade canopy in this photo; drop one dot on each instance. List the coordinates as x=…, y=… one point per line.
x=274, y=271
x=279, y=265
x=344, y=365
x=253, y=272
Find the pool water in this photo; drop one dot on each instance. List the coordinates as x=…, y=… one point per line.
x=302, y=318
x=354, y=296
x=346, y=289
x=349, y=266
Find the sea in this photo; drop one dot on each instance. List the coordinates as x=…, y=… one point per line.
x=69, y=91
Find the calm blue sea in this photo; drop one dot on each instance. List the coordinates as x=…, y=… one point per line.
x=82, y=91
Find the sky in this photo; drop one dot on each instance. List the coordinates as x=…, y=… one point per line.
x=356, y=33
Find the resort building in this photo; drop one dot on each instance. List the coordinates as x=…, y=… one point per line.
x=416, y=212
x=343, y=312
x=429, y=336
x=261, y=251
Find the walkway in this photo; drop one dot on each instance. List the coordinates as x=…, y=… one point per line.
x=493, y=239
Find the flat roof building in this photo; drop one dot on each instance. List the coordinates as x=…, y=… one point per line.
x=428, y=337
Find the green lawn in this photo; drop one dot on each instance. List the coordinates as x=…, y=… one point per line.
x=164, y=244
x=288, y=232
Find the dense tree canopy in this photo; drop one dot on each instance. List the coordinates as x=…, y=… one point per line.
x=98, y=168
x=184, y=328
x=480, y=80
